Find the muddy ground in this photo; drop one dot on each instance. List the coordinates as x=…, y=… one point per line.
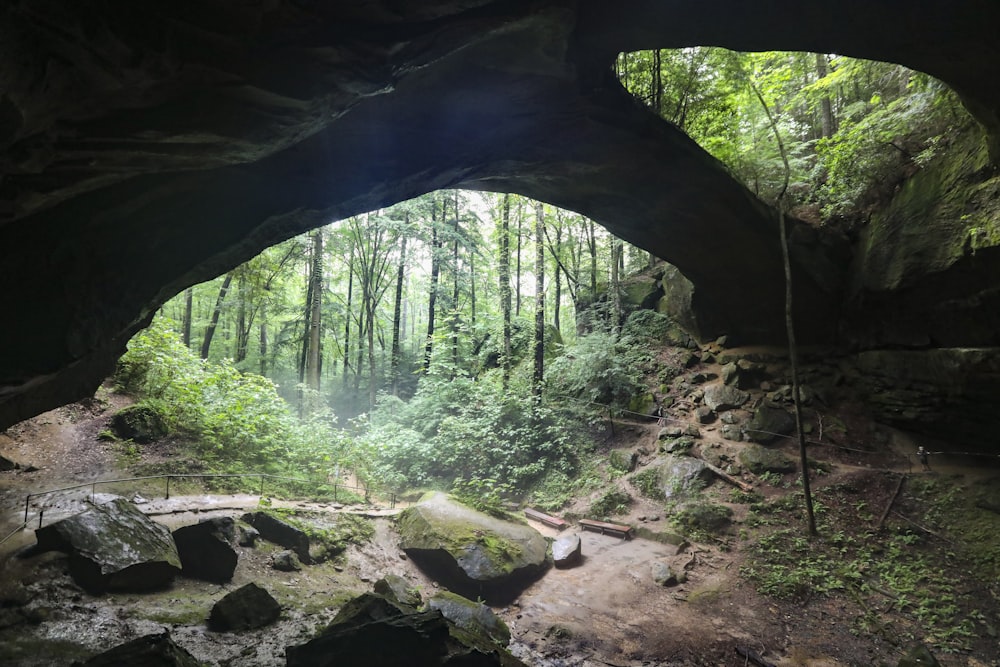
x=607, y=611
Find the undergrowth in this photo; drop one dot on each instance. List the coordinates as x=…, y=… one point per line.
x=902, y=575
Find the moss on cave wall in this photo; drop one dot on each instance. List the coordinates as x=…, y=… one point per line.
x=945, y=211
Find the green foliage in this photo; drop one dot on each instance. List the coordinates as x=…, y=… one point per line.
x=600, y=369
x=648, y=483
x=701, y=518
x=619, y=462
x=468, y=429
x=230, y=415
x=485, y=495
x=613, y=502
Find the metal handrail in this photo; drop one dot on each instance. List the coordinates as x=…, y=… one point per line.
x=168, y=477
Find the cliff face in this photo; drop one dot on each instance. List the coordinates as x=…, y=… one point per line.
x=146, y=147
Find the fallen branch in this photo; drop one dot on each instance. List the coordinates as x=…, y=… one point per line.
x=754, y=657
x=892, y=501
x=729, y=478
x=926, y=530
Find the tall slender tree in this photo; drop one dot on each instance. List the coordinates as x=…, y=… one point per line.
x=538, y=376
x=206, y=344
x=504, y=260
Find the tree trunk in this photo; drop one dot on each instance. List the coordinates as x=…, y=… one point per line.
x=313, y=357
x=188, y=313
x=347, y=317
x=505, y=289
x=242, y=326
x=615, y=287
x=517, y=268
x=557, y=253
x=592, y=246
x=210, y=329
x=539, y=370
x=826, y=108
x=397, y=313
x=263, y=346
x=433, y=289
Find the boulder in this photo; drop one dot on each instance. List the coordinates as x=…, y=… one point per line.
x=473, y=617
x=724, y=397
x=679, y=477
x=6, y=464
x=246, y=608
x=759, y=459
x=206, y=550
x=157, y=650
x=247, y=536
x=471, y=552
x=282, y=533
x=396, y=589
x=140, y=422
x=286, y=561
x=567, y=551
x=769, y=423
x=403, y=638
x=114, y=546
x=704, y=414
x=663, y=575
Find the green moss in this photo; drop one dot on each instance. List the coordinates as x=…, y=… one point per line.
x=613, y=502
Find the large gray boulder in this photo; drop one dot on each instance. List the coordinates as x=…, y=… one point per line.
x=206, y=550
x=469, y=551
x=371, y=631
x=150, y=651
x=246, y=608
x=472, y=617
x=396, y=589
x=769, y=423
x=675, y=477
x=282, y=533
x=724, y=397
x=114, y=546
x=759, y=459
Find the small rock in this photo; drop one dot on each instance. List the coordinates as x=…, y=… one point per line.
x=705, y=414
x=663, y=575
x=247, y=536
x=396, y=589
x=286, y=561
x=567, y=551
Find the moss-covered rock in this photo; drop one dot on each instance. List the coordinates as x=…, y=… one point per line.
x=114, y=546
x=141, y=422
x=703, y=517
x=471, y=552
x=769, y=424
x=673, y=478
x=759, y=459
x=473, y=617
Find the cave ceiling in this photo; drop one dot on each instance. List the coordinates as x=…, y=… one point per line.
x=148, y=146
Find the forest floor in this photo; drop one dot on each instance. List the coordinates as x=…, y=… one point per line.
x=607, y=611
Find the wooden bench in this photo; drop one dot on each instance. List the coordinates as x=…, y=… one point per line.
x=541, y=517
x=604, y=527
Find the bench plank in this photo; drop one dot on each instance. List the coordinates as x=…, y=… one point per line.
x=548, y=520
x=604, y=526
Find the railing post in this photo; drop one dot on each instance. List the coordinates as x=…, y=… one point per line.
x=335, y=492
x=27, y=500
x=93, y=493
x=261, y=486
x=41, y=513
x=168, y=487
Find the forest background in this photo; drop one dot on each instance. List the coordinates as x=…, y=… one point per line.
x=469, y=340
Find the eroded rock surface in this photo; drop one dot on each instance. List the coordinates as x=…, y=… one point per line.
x=471, y=552
x=114, y=546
